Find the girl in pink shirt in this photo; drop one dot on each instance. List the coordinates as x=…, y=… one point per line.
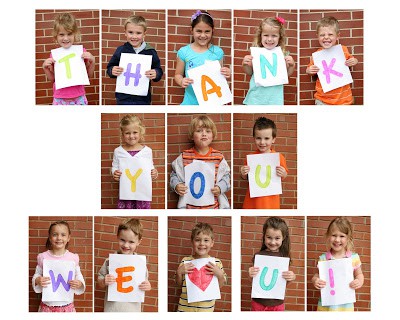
x=57, y=243
x=65, y=33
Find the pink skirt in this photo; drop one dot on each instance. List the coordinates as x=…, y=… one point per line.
x=67, y=308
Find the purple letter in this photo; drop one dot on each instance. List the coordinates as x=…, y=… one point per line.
x=56, y=283
x=329, y=69
x=128, y=75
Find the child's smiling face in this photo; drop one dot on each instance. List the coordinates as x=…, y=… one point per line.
x=131, y=135
x=202, y=34
x=327, y=37
x=135, y=34
x=269, y=36
x=263, y=139
x=65, y=39
x=202, y=244
x=338, y=241
x=59, y=237
x=128, y=241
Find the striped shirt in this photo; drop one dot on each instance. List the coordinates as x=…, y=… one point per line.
x=339, y=96
x=213, y=156
x=201, y=306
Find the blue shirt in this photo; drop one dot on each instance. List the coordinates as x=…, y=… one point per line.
x=194, y=59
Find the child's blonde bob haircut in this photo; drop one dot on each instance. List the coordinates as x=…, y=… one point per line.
x=68, y=22
x=138, y=20
x=344, y=226
x=135, y=120
x=202, y=121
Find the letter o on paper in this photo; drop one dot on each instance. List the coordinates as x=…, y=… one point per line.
x=202, y=186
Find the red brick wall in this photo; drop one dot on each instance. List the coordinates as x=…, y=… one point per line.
x=178, y=140
x=252, y=235
x=179, y=35
x=105, y=242
x=113, y=36
x=154, y=138
x=316, y=245
x=88, y=23
x=245, y=24
x=180, y=246
x=80, y=243
x=285, y=143
x=351, y=24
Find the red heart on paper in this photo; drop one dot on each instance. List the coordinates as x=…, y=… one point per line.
x=200, y=278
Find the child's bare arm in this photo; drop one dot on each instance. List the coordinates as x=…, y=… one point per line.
x=48, y=68
x=89, y=62
x=351, y=62
x=248, y=65
x=312, y=70
x=317, y=282
x=358, y=282
x=244, y=172
x=289, y=65
x=179, y=77
x=184, y=268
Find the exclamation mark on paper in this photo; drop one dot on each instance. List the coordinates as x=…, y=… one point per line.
x=331, y=281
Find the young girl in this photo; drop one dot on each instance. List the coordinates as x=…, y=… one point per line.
x=202, y=131
x=197, y=53
x=132, y=132
x=65, y=33
x=270, y=34
x=57, y=244
x=129, y=236
x=275, y=242
x=339, y=237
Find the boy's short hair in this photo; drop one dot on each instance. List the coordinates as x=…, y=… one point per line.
x=202, y=227
x=138, y=20
x=132, y=224
x=328, y=22
x=206, y=123
x=264, y=123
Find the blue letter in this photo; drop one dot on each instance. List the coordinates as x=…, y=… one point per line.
x=273, y=280
x=265, y=63
x=202, y=187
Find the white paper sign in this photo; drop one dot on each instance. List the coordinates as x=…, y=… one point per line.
x=135, y=182
x=338, y=274
x=200, y=179
x=209, y=85
x=333, y=73
x=69, y=68
x=269, y=283
x=269, y=66
x=60, y=273
x=200, y=285
x=263, y=180
x=129, y=271
x=132, y=80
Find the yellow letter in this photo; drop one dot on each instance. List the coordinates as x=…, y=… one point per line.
x=133, y=178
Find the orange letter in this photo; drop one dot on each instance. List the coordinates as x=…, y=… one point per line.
x=120, y=279
x=214, y=87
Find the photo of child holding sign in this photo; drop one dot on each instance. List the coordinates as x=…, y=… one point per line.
x=133, y=152
x=69, y=69
x=131, y=70
x=333, y=72
x=197, y=275
x=263, y=176
x=340, y=280
x=133, y=274
x=61, y=280
x=267, y=57
x=200, y=175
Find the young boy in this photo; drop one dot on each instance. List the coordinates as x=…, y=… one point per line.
x=202, y=239
x=264, y=134
x=135, y=31
x=202, y=131
x=129, y=236
x=328, y=35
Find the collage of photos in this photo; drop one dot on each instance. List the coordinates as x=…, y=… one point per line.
x=146, y=57
x=161, y=153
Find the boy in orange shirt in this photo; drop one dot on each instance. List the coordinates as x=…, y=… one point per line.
x=264, y=133
x=328, y=35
